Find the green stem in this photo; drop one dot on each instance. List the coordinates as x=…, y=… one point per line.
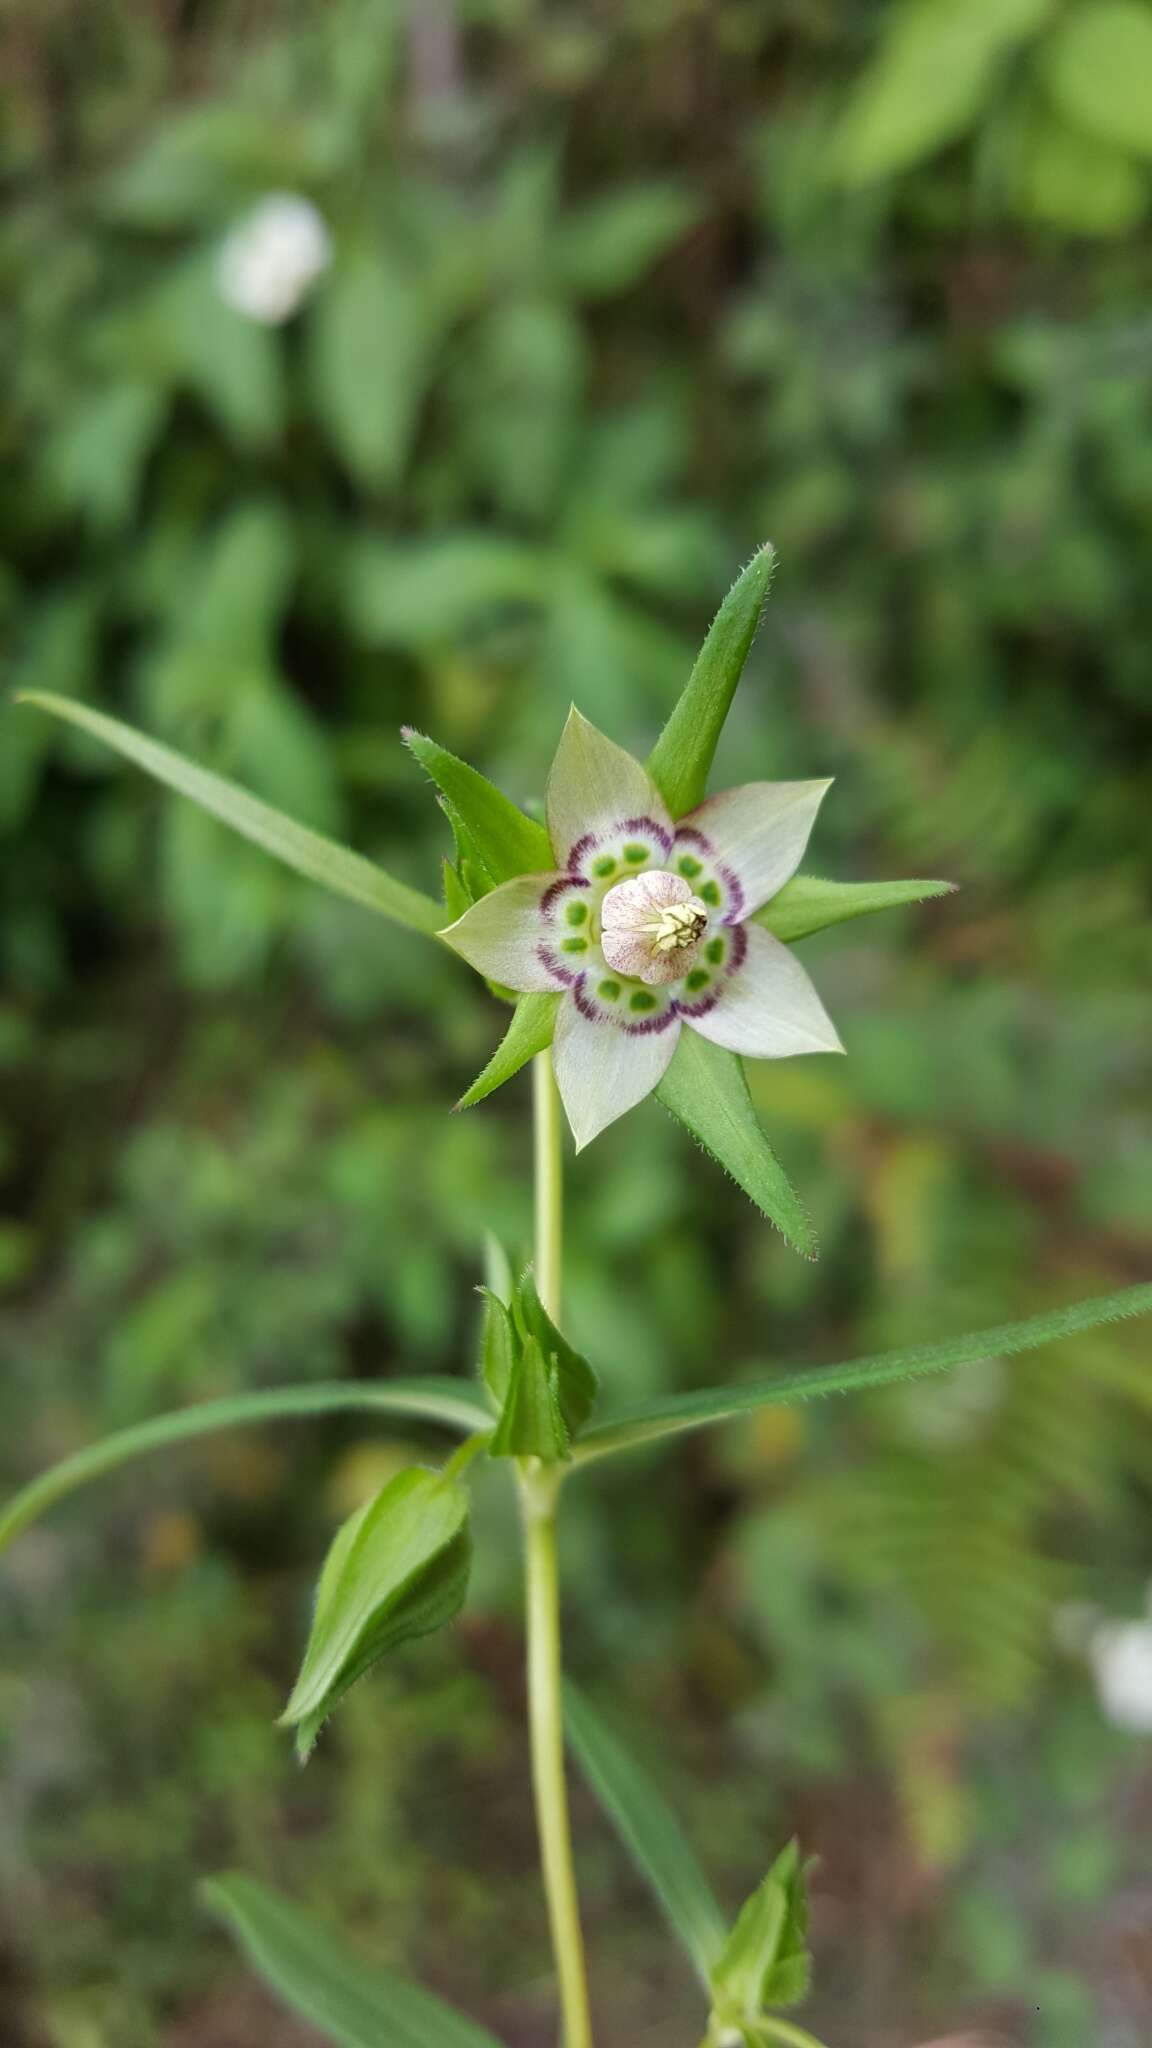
x=539, y=1491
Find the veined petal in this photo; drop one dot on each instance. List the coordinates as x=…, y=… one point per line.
x=518, y=934
x=766, y=1008
x=595, y=789
x=602, y=1069
x=753, y=837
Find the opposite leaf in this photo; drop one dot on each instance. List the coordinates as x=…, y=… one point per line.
x=397, y=1569
x=357, y=2004
x=531, y=1423
x=682, y=757
x=576, y=1383
x=507, y=841
x=309, y=853
x=706, y=1089
x=805, y=905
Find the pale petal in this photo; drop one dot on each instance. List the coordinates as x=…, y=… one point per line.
x=511, y=934
x=767, y=1007
x=595, y=788
x=755, y=835
x=603, y=1070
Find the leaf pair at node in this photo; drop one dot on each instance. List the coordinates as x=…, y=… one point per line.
x=542, y=1389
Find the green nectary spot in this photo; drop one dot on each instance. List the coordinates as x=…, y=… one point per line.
x=577, y=913
x=714, y=951
x=573, y=945
x=641, y=1000
x=710, y=892
x=688, y=866
x=699, y=978
x=635, y=853
x=606, y=865
x=609, y=990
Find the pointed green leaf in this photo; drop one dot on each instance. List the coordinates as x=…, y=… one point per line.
x=397, y=1569
x=765, y=1960
x=705, y=1087
x=650, y=1832
x=531, y=1423
x=683, y=754
x=451, y=1402
x=499, y=1348
x=576, y=1383
x=354, y=2003
x=650, y=1421
x=309, y=853
x=805, y=905
x=508, y=842
x=530, y=1031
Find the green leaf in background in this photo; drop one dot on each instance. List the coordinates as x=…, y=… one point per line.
x=424, y=593
x=765, y=1960
x=508, y=842
x=397, y=1569
x=928, y=81
x=648, y=1422
x=1075, y=180
x=683, y=754
x=806, y=905
x=309, y=853
x=604, y=245
x=1098, y=70
x=705, y=1088
x=531, y=1031
x=357, y=2004
x=369, y=356
x=451, y=1402
x=650, y=1832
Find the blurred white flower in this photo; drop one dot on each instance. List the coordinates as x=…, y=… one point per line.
x=272, y=257
x=1121, y=1658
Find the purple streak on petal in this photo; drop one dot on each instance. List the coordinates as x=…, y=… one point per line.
x=734, y=908
x=555, y=890
x=578, y=852
x=634, y=826
x=548, y=959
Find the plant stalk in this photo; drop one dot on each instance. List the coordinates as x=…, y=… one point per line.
x=539, y=1492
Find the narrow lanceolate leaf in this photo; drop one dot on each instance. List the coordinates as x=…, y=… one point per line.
x=650, y=1832
x=354, y=2003
x=805, y=905
x=530, y=1032
x=508, y=842
x=683, y=754
x=650, y=1421
x=576, y=1383
x=706, y=1089
x=431, y=1400
x=398, y=1569
x=309, y=853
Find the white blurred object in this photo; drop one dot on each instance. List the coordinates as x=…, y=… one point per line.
x=272, y=257
x=1121, y=1658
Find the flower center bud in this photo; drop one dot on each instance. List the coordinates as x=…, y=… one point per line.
x=651, y=926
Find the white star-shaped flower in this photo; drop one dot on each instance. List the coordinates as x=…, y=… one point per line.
x=643, y=926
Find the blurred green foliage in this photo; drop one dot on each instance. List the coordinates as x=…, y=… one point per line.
x=616, y=292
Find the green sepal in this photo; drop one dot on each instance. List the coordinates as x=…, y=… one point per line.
x=531, y=1421
x=319, y=859
x=806, y=905
x=765, y=1961
x=506, y=841
x=682, y=757
x=499, y=1348
x=530, y=1031
x=397, y=1569
x=705, y=1088
x=354, y=2003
